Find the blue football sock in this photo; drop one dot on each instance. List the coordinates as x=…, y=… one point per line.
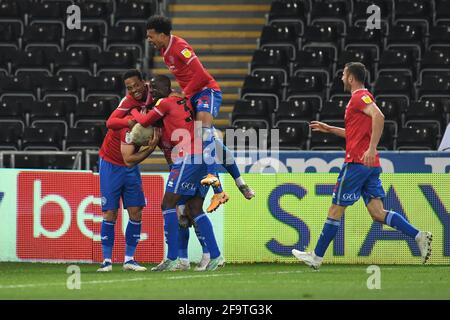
x=209, y=149
x=132, y=237
x=397, y=222
x=183, y=241
x=329, y=231
x=201, y=240
x=171, y=232
x=229, y=163
x=107, y=237
x=206, y=230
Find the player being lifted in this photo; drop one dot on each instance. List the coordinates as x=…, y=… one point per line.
x=360, y=173
x=205, y=95
x=185, y=171
x=120, y=178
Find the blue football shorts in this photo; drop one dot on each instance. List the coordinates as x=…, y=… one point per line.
x=120, y=181
x=207, y=100
x=354, y=180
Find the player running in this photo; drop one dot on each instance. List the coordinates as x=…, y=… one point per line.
x=205, y=95
x=185, y=171
x=120, y=178
x=360, y=173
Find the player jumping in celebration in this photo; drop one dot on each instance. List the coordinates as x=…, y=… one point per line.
x=360, y=173
x=205, y=95
x=185, y=171
x=120, y=178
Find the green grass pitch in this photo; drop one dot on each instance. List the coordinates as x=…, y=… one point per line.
x=241, y=281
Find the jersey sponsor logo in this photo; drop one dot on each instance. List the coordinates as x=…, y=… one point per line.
x=188, y=185
x=366, y=99
x=186, y=53
x=349, y=196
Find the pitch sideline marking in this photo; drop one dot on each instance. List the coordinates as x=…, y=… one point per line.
x=31, y=285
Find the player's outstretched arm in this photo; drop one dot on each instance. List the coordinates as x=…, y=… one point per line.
x=132, y=158
x=323, y=127
x=117, y=121
x=149, y=118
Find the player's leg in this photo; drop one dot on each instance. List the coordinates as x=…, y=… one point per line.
x=134, y=202
x=178, y=185
x=229, y=163
x=346, y=192
x=373, y=194
x=206, y=257
x=183, y=235
x=217, y=200
x=112, y=178
x=206, y=230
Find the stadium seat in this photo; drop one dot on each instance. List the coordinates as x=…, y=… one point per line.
x=442, y=10
x=424, y=111
x=397, y=59
x=359, y=12
x=28, y=161
x=292, y=10
x=390, y=84
x=297, y=109
x=434, y=85
x=410, y=35
x=16, y=84
x=9, y=9
x=72, y=58
x=27, y=59
x=35, y=139
x=43, y=33
x=87, y=35
x=435, y=59
x=129, y=10
x=10, y=134
x=83, y=138
x=47, y=10
x=10, y=32
x=387, y=140
x=99, y=126
x=264, y=86
x=296, y=25
x=306, y=85
x=392, y=108
x=114, y=60
x=270, y=58
x=413, y=9
x=247, y=134
x=251, y=109
x=329, y=9
x=96, y=10
x=10, y=109
x=359, y=35
x=92, y=110
x=126, y=33
x=313, y=59
x=332, y=110
x=325, y=141
x=412, y=138
x=293, y=135
x=58, y=84
x=281, y=36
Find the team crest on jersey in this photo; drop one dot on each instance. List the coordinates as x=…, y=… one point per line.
x=366, y=99
x=128, y=137
x=186, y=53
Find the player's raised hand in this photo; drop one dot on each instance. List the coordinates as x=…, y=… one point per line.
x=319, y=126
x=153, y=142
x=369, y=157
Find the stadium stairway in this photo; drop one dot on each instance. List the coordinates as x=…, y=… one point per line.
x=223, y=34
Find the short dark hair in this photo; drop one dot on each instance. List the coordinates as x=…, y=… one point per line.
x=132, y=73
x=358, y=70
x=162, y=80
x=161, y=24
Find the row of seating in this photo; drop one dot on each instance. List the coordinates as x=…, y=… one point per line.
x=296, y=135
x=114, y=10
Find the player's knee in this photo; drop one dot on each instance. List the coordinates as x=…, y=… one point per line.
x=110, y=216
x=377, y=216
x=135, y=215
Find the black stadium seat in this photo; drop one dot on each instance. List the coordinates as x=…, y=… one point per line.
x=251, y=109
x=40, y=138
x=293, y=135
